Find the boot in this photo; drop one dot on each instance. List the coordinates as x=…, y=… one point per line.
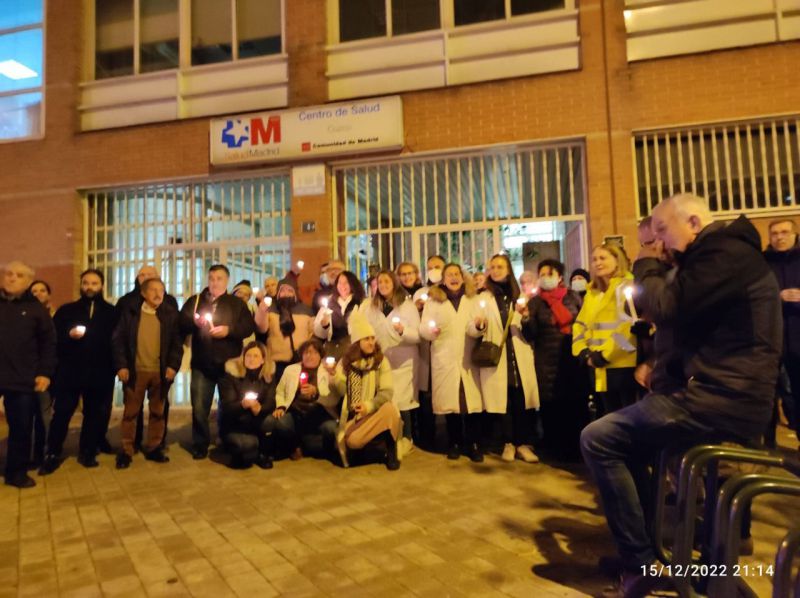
x=392, y=462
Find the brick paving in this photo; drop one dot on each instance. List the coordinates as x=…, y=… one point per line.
x=308, y=528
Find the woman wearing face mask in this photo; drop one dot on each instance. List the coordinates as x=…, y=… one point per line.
x=287, y=324
x=547, y=325
x=363, y=380
x=396, y=324
x=578, y=281
x=456, y=392
x=247, y=402
x=509, y=388
x=330, y=325
x=601, y=335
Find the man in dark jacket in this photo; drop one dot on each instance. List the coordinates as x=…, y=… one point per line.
x=218, y=323
x=783, y=255
x=27, y=364
x=134, y=299
x=147, y=353
x=83, y=330
x=723, y=309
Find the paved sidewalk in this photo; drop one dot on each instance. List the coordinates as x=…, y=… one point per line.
x=308, y=528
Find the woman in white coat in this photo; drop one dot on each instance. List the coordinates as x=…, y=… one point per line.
x=510, y=388
x=396, y=322
x=330, y=324
x=456, y=394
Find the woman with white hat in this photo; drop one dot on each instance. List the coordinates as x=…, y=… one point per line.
x=363, y=378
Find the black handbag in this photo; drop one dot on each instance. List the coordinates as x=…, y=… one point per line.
x=486, y=354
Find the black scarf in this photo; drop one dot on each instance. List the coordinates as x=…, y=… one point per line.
x=454, y=296
x=285, y=305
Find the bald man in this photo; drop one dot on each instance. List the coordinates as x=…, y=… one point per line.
x=723, y=307
x=27, y=364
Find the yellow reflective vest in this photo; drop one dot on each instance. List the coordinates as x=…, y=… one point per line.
x=604, y=325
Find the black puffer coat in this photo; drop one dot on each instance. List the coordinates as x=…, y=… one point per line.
x=725, y=314
x=232, y=388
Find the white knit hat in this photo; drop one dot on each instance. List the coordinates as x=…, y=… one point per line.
x=359, y=327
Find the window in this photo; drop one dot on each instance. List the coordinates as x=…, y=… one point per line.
x=21, y=68
x=479, y=11
x=751, y=167
x=212, y=36
x=361, y=19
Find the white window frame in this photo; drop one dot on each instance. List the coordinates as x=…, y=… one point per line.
x=39, y=89
x=446, y=16
x=184, y=38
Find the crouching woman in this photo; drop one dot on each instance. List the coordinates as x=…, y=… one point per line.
x=247, y=401
x=363, y=378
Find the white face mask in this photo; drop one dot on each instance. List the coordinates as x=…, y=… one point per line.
x=578, y=285
x=548, y=283
x=435, y=276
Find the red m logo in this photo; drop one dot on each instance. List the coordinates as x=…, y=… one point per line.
x=260, y=134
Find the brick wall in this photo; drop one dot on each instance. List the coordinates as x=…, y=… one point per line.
x=40, y=180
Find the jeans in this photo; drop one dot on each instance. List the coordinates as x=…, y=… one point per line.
x=201, y=389
x=294, y=425
x=20, y=407
x=617, y=449
x=96, y=406
x=247, y=442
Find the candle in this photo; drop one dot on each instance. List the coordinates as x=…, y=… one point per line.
x=209, y=318
x=395, y=320
x=629, y=300
x=482, y=303
x=424, y=297
x=522, y=301
x=432, y=325
x=331, y=361
x=303, y=378
x=268, y=301
x=80, y=329
x=251, y=396
x=256, y=290
x=300, y=264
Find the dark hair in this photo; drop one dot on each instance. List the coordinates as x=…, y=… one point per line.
x=150, y=281
x=217, y=267
x=580, y=272
x=355, y=287
x=47, y=286
x=551, y=263
x=491, y=285
x=398, y=293
x=255, y=345
x=353, y=353
x=312, y=342
x=96, y=272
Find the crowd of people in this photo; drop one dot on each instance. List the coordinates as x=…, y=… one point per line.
x=614, y=363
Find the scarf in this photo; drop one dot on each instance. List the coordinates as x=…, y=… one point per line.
x=454, y=296
x=361, y=381
x=562, y=318
x=285, y=305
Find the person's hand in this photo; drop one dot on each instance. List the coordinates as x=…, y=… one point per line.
x=330, y=367
x=262, y=292
x=308, y=390
x=398, y=327
x=74, y=333
x=654, y=249
x=522, y=309
x=642, y=374
x=326, y=317
x=279, y=413
x=41, y=383
x=248, y=403
x=480, y=322
x=596, y=359
x=219, y=331
x=360, y=408
x=790, y=295
x=170, y=374
x=255, y=408
x=641, y=328
x=124, y=375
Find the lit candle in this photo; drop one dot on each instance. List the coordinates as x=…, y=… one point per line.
x=330, y=361
x=268, y=301
x=395, y=320
x=424, y=297
x=300, y=264
x=432, y=325
x=303, y=378
x=209, y=318
x=256, y=290
x=522, y=301
x=251, y=396
x=629, y=300
x=81, y=330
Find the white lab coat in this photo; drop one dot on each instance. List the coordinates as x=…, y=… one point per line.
x=451, y=356
x=424, y=362
x=401, y=351
x=494, y=380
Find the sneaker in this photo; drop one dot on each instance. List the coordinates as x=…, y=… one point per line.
x=404, y=447
x=264, y=462
x=296, y=454
x=453, y=452
x=88, y=461
x=526, y=453
x=475, y=453
x=156, y=455
x=199, y=453
x=20, y=480
x=123, y=461
x=508, y=453
x=50, y=464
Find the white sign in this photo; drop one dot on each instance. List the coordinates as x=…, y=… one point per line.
x=308, y=180
x=311, y=132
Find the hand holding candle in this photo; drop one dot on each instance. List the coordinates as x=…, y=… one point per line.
x=209, y=319
x=78, y=331
x=397, y=325
x=303, y=379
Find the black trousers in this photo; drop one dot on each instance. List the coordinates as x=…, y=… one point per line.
x=19, y=407
x=517, y=422
x=463, y=428
x=622, y=390
x=96, y=410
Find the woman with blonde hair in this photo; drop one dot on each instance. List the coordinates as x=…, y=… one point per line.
x=601, y=334
x=455, y=381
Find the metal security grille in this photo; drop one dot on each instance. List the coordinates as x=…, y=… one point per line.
x=184, y=228
x=458, y=206
x=740, y=167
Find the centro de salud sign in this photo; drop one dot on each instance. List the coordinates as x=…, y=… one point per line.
x=311, y=132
